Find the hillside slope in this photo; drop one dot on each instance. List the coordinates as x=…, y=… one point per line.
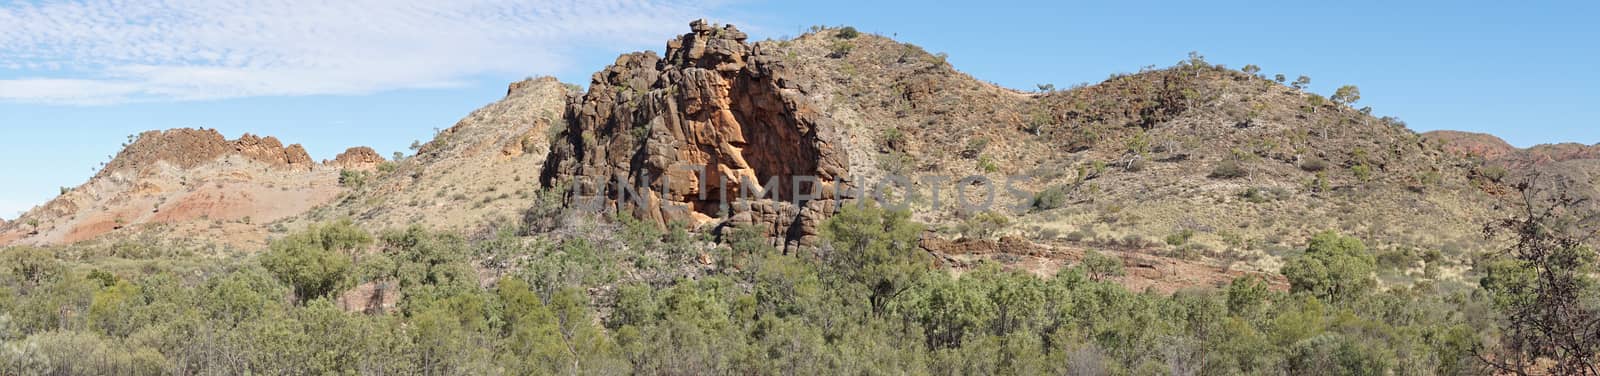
x=184, y=183
x=483, y=171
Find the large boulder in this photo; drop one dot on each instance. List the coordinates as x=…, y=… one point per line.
x=695, y=136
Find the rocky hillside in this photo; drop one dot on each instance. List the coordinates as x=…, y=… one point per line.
x=481, y=172
x=1494, y=150
x=186, y=183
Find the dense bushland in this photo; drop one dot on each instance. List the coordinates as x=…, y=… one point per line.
x=626, y=298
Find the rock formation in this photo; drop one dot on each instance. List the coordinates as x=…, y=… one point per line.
x=357, y=158
x=689, y=133
x=1494, y=149
x=186, y=148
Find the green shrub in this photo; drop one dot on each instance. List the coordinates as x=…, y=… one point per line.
x=352, y=179
x=983, y=225
x=1258, y=195
x=1314, y=164
x=1362, y=172
x=1050, y=198
x=1180, y=238
x=841, y=49
x=987, y=164
x=314, y=261
x=1333, y=268
x=1494, y=173
x=848, y=32
x=1229, y=169
x=878, y=248
x=1099, y=266
x=385, y=167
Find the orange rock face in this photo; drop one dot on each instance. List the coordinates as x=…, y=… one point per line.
x=691, y=132
x=357, y=158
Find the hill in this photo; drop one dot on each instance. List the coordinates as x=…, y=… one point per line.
x=184, y=184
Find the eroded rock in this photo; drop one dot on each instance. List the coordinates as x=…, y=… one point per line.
x=691, y=134
x=357, y=158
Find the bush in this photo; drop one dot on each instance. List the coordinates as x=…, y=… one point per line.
x=1229, y=169
x=876, y=247
x=841, y=49
x=1180, y=238
x=1314, y=165
x=313, y=262
x=1050, y=198
x=987, y=165
x=352, y=179
x=1362, y=172
x=1334, y=268
x=387, y=167
x=848, y=32
x=1494, y=173
x=1099, y=266
x=1258, y=195
x=984, y=225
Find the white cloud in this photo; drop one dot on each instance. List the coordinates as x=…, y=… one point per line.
x=111, y=51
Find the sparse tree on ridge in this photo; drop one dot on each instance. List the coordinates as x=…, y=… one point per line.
x=1346, y=95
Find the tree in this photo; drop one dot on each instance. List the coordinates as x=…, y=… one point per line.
x=948, y=310
x=1542, y=284
x=1346, y=95
x=1246, y=294
x=1046, y=88
x=311, y=262
x=1251, y=69
x=878, y=248
x=1301, y=83
x=1099, y=266
x=1334, y=268
x=1196, y=60
x=1280, y=78
x=1313, y=102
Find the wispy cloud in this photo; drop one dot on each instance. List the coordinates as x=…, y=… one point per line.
x=111, y=51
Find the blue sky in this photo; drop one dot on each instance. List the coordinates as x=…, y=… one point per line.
x=77, y=77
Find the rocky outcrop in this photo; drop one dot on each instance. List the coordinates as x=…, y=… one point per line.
x=692, y=133
x=357, y=158
x=1494, y=149
x=1472, y=144
x=187, y=148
